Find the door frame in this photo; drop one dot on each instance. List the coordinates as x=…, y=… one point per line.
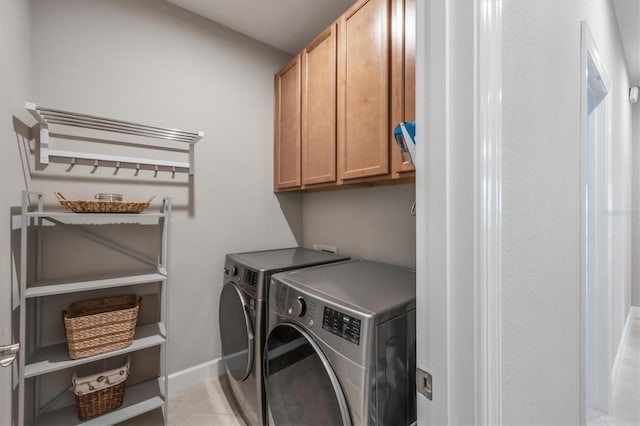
x=589, y=54
x=488, y=211
x=437, y=112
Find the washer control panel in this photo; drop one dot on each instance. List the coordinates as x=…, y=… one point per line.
x=245, y=278
x=341, y=325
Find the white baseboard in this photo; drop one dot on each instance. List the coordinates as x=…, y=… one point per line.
x=188, y=377
x=634, y=313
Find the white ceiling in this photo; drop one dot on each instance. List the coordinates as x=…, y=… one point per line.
x=288, y=25
x=628, y=14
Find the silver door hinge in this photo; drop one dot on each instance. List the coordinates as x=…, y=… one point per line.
x=424, y=383
x=8, y=354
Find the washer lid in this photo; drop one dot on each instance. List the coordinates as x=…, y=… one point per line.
x=285, y=259
x=369, y=287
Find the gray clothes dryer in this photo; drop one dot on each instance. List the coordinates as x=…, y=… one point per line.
x=243, y=315
x=341, y=345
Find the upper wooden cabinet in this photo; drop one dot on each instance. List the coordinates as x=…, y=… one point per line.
x=403, y=76
x=363, y=90
x=319, y=109
x=287, y=126
x=337, y=102
x=409, y=37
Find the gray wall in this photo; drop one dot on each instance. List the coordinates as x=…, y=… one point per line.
x=372, y=223
x=151, y=62
x=541, y=202
x=14, y=88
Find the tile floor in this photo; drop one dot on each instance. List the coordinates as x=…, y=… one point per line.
x=205, y=404
x=201, y=405
x=625, y=395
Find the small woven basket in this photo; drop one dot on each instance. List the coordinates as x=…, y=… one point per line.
x=100, y=393
x=96, y=326
x=103, y=206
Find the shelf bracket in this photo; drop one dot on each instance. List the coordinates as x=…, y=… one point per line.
x=44, y=145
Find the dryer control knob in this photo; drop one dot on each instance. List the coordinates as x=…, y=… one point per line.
x=298, y=307
x=234, y=271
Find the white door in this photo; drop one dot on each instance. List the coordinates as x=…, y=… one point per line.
x=6, y=337
x=14, y=90
x=430, y=211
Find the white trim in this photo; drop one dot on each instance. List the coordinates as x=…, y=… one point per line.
x=184, y=379
x=634, y=313
x=583, y=225
x=488, y=211
x=432, y=321
x=589, y=53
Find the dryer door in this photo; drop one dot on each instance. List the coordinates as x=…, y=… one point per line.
x=302, y=388
x=236, y=332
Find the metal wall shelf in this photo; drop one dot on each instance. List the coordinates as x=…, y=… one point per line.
x=37, y=360
x=51, y=287
x=56, y=357
x=47, y=116
x=99, y=218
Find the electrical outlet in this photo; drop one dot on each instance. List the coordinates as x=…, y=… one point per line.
x=325, y=248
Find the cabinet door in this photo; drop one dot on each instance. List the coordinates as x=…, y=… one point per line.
x=319, y=82
x=403, y=79
x=363, y=92
x=410, y=60
x=287, y=126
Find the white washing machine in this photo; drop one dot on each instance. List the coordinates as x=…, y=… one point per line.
x=341, y=345
x=243, y=315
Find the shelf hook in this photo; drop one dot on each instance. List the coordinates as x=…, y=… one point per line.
x=156, y=172
x=117, y=168
x=72, y=165
x=137, y=169
x=96, y=163
x=173, y=172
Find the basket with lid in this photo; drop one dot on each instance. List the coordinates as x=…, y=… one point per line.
x=100, y=393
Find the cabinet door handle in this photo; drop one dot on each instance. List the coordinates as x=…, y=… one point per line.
x=8, y=354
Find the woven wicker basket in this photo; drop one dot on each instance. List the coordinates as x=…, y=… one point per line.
x=100, y=393
x=103, y=206
x=100, y=402
x=96, y=326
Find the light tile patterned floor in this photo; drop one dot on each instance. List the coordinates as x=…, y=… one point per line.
x=206, y=405
x=201, y=405
x=625, y=396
